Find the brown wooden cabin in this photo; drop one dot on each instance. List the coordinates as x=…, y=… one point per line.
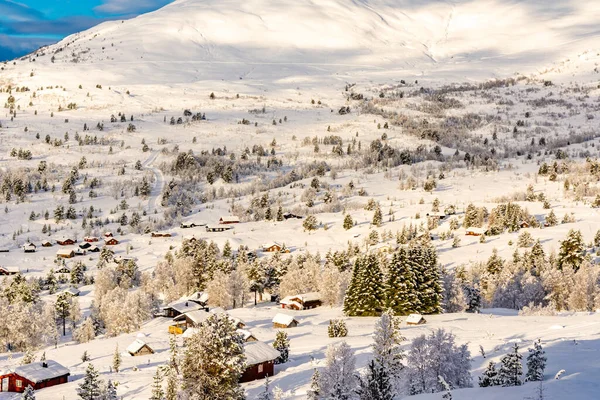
x=217, y=228
x=29, y=248
x=472, y=231
x=46, y=243
x=65, y=253
x=175, y=309
x=108, y=234
x=229, y=220
x=38, y=375
x=111, y=241
x=283, y=321
x=90, y=239
x=303, y=301
x=65, y=241
x=139, y=348
x=272, y=247
x=415, y=319
x=161, y=234
x=9, y=270
x=260, y=361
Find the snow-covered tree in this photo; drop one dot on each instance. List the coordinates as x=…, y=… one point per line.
x=117, y=360
x=89, y=388
x=157, y=390
x=337, y=328
x=314, y=392
x=28, y=394
x=282, y=344
x=401, y=295
x=337, y=380
x=511, y=369
x=348, y=222
x=437, y=355
x=266, y=393
x=387, y=353
x=62, y=305
x=489, y=376
x=571, y=250
x=377, y=217
x=375, y=385
x=536, y=363
x=218, y=295
x=365, y=295
x=214, y=361
x=172, y=384
x=111, y=391
x=310, y=223
x=86, y=331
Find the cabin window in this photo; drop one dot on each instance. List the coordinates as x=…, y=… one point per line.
x=19, y=383
x=260, y=368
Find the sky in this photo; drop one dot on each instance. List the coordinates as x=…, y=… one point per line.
x=26, y=25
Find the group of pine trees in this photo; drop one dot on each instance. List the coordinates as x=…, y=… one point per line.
x=511, y=368
x=411, y=284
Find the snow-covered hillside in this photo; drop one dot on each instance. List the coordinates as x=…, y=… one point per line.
x=191, y=40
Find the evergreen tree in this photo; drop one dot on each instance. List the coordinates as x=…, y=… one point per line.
x=227, y=250
x=282, y=344
x=536, y=363
x=85, y=356
x=337, y=328
x=266, y=393
x=423, y=261
x=315, y=386
x=157, y=390
x=490, y=376
x=494, y=263
x=89, y=388
x=310, y=223
x=172, y=384
x=571, y=250
x=62, y=306
x=471, y=216
x=511, y=369
x=551, y=219
x=279, y=214
x=365, y=294
x=111, y=391
x=116, y=359
x=348, y=222
x=376, y=384
x=214, y=361
x=401, y=284
x=28, y=394
x=377, y=217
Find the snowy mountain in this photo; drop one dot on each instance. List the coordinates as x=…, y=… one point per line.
x=191, y=40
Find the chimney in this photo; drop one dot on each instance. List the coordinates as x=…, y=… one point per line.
x=44, y=364
x=186, y=303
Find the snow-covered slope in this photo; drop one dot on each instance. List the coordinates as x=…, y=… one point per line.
x=191, y=40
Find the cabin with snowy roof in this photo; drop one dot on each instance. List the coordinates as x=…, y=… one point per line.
x=230, y=219
x=65, y=253
x=65, y=241
x=90, y=239
x=210, y=228
x=29, y=248
x=247, y=336
x=46, y=243
x=139, y=348
x=111, y=241
x=303, y=301
x=38, y=375
x=284, y=321
x=175, y=309
x=260, y=361
x=415, y=319
x=63, y=270
x=9, y=270
x=473, y=231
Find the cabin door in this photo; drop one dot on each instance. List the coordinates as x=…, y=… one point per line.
x=5, y=384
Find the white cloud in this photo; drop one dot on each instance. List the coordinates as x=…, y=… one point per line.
x=123, y=7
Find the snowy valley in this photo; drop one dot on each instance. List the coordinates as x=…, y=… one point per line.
x=356, y=199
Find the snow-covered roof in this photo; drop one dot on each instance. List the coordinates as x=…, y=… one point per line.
x=63, y=238
x=14, y=270
x=230, y=218
x=46, y=242
x=436, y=214
x=271, y=244
x=189, y=332
x=479, y=231
x=414, y=318
x=136, y=346
x=304, y=297
x=245, y=333
x=196, y=316
x=64, y=252
x=72, y=291
x=41, y=371
x=29, y=246
x=259, y=352
x=283, y=319
x=184, y=306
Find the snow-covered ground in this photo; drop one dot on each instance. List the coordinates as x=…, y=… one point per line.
x=298, y=61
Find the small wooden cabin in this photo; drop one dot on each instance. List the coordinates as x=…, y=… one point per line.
x=90, y=239
x=108, y=235
x=436, y=214
x=9, y=270
x=94, y=249
x=46, y=243
x=65, y=253
x=247, y=336
x=85, y=245
x=65, y=241
x=175, y=309
x=111, y=241
x=230, y=219
x=284, y=321
x=303, y=301
x=139, y=348
x=80, y=252
x=29, y=248
x=38, y=375
x=272, y=247
x=472, y=231
x=161, y=234
x=191, y=224
x=63, y=270
x=291, y=216
x=415, y=319
x=260, y=361
x=72, y=291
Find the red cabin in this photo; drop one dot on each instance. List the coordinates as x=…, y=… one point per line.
x=260, y=361
x=38, y=375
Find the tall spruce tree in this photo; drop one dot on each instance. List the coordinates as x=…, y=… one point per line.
x=511, y=369
x=365, y=295
x=536, y=363
x=387, y=353
x=157, y=390
x=282, y=344
x=423, y=260
x=315, y=386
x=89, y=388
x=111, y=391
x=376, y=384
x=401, y=295
x=571, y=250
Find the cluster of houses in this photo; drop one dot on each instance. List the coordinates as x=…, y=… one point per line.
x=89, y=244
